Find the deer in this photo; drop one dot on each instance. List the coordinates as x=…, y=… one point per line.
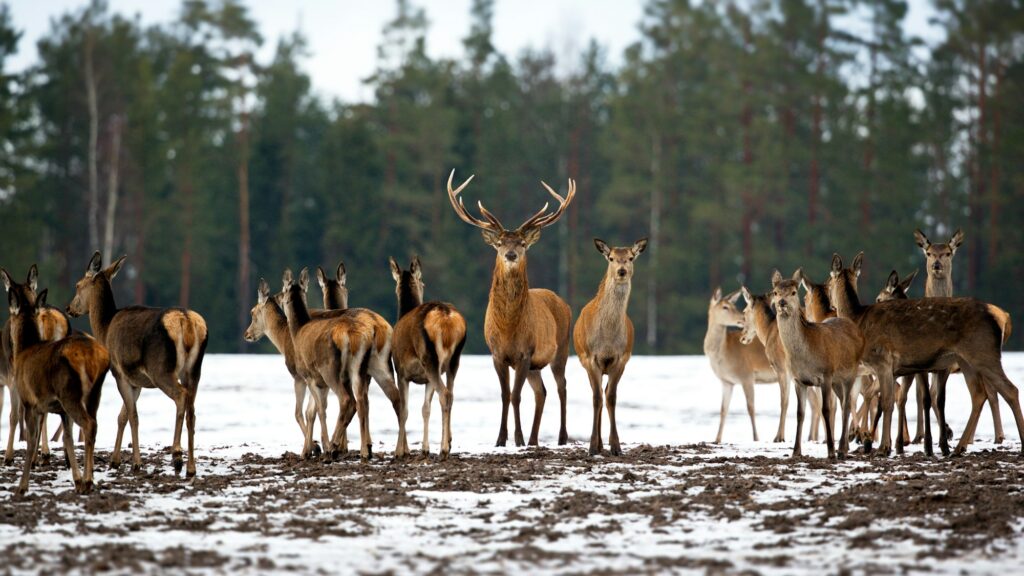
x=939, y=283
x=817, y=308
x=340, y=350
x=63, y=377
x=735, y=363
x=52, y=325
x=525, y=328
x=334, y=289
x=823, y=354
x=909, y=336
x=603, y=336
x=427, y=342
x=894, y=289
x=159, y=348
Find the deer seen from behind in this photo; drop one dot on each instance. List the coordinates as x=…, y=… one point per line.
x=63, y=377
x=426, y=344
x=159, y=348
x=736, y=363
x=603, y=336
x=823, y=354
x=525, y=328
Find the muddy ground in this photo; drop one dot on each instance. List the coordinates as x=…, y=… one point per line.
x=653, y=509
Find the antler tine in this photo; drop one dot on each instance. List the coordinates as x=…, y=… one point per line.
x=563, y=203
x=460, y=208
x=490, y=217
x=533, y=219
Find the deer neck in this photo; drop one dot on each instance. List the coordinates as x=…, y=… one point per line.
x=847, y=303
x=612, y=301
x=714, y=339
x=764, y=321
x=24, y=334
x=793, y=332
x=936, y=287
x=298, y=315
x=510, y=292
x=102, y=309
x=277, y=327
x=408, y=299
x=335, y=299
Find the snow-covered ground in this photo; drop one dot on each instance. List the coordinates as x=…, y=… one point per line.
x=245, y=424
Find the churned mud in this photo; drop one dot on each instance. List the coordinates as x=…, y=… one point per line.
x=654, y=509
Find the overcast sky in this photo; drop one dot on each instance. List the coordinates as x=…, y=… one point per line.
x=343, y=34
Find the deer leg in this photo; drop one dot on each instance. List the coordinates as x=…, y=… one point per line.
x=380, y=369
x=902, y=396
x=596, y=446
x=748, y=394
x=801, y=403
x=901, y=426
x=611, y=395
x=502, y=371
x=921, y=382
x=997, y=420
x=428, y=398
x=361, y=386
x=814, y=396
x=131, y=404
x=15, y=422
x=540, y=394
x=780, y=436
x=558, y=370
x=997, y=380
x=89, y=431
x=847, y=395
x=827, y=401
x=975, y=382
x=69, y=450
x=926, y=403
x=517, y=396
x=44, y=441
x=886, y=387
x=403, y=390
x=32, y=425
x=726, y=397
x=447, y=401
x=300, y=399
x=190, y=422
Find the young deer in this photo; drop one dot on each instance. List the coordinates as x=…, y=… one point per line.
x=939, y=283
x=735, y=363
x=908, y=336
x=759, y=325
x=525, y=328
x=149, y=348
x=817, y=354
x=52, y=325
x=269, y=320
x=64, y=377
x=340, y=350
x=427, y=342
x=334, y=289
x=603, y=336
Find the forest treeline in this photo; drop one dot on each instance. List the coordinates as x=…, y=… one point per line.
x=738, y=136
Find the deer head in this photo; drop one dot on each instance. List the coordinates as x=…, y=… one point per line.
x=258, y=326
x=89, y=287
x=896, y=289
x=408, y=283
x=620, y=260
x=939, y=256
x=722, y=310
x=293, y=293
x=749, y=322
x=785, y=294
x=26, y=291
x=511, y=245
x=334, y=289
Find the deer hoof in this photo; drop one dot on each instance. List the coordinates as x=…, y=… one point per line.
x=178, y=464
x=20, y=491
x=595, y=450
x=315, y=451
x=779, y=438
x=999, y=439
x=615, y=451
x=136, y=468
x=45, y=458
x=190, y=474
x=83, y=487
x=563, y=438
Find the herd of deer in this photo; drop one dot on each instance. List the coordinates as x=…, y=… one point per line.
x=839, y=347
x=833, y=343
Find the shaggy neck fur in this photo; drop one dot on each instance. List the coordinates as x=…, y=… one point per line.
x=936, y=287
x=24, y=332
x=847, y=303
x=510, y=291
x=612, y=301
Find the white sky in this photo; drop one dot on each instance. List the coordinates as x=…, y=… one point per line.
x=343, y=34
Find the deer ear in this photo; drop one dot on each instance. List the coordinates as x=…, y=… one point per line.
x=95, y=263
x=33, y=278
x=492, y=237
x=41, y=299
x=321, y=278
x=7, y=279
x=286, y=279
x=114, y=268
x=304, y=279
x=341, y=273
x=776, y=278
x=798, y=274
x=837, y=265
x=262, y=292
x=921, y=239
x=892, y=282
x=602, y=247
x=716, y=296
x=732, y=298
x=416, y=268
x=858, y=261
x=956, y=240
x=747, y=296
x=531, y=235
x=639, y=246
x=396, y=272
x=905, y=285
x=13, y=303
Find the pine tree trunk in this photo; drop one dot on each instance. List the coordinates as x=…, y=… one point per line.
x=243, y=225
x=90, y=96
x=654, y=244
x=113, y=173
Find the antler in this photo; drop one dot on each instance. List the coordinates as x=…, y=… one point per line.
x=541, y=219
x=491, y=223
